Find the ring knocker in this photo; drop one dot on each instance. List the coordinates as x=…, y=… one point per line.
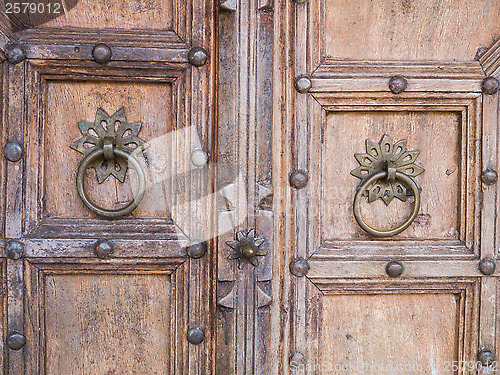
x=386, y=171
x=110, y=153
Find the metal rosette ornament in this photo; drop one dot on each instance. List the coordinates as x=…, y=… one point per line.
x=387, y=171
x=246, y=248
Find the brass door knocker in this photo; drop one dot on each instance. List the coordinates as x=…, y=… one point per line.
x=386, y=171
x=109, y=146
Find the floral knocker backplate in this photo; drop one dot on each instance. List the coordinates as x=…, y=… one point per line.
x=125, y=136
x=386, y=171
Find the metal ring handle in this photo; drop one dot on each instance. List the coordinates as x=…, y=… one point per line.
x=110, y=214
x=357, y=204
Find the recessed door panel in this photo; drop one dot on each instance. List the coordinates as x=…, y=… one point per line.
x=122, y=14
x=390, y=332
x=400, y=30
x=438, y=137
x=148, y=103
x=108, y=323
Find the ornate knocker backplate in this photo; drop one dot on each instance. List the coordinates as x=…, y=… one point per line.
x=386, y=171
x=110, y=145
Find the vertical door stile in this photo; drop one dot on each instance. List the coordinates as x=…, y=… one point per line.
x=489, y=210
x=301, y=157
x=283, y=164
x=13, y=120
x=244, y=150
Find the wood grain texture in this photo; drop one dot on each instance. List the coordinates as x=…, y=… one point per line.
x=245, y=168
x=323, y=269
x=365, y=322
x=138, y=305
x=127, y=316
x=363, y=84
x=390, y=331
x=62, y=129
x=7, y=29
x=488, y=334
x=350, y=50
x=448, y=30
x=101, y=324
x=436, y=135
x=489, y=212
x=8, y=278
x=4, y=137
x=171, y=131
x=15, y=311
x=490, y=59
x=331, y=68
x=282, y=282
x=427, y=118
x=346, y=309
x=123, y=247
x=123, y=14
x=12, y=227
x=13, y=117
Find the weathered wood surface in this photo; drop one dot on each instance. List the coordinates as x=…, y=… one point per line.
x=126, y=14
x=130, y=313
x=350, y=51
x=435, y=30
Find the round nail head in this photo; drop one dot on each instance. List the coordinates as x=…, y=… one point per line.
x=16, y=341
x=486, y=357
x=13, y=151
x=14, y=53
x=489, y=177
x=299, y=267
x=298, y=178
x=102, y=53
x=297, y=359
x=487, y=266
x=195, y=335
x=394, y=269
x=490, y=85
x=303, y=84
x=197, y=249
x=248, y=251
x=197, y=56
x=199, y=158
x=103, y=249
x=14, y=249
x=398, y=84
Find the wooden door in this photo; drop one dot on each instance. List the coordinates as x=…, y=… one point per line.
x=244, y=132
x=86, y=294
x=306, y=86
x=421, y=71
